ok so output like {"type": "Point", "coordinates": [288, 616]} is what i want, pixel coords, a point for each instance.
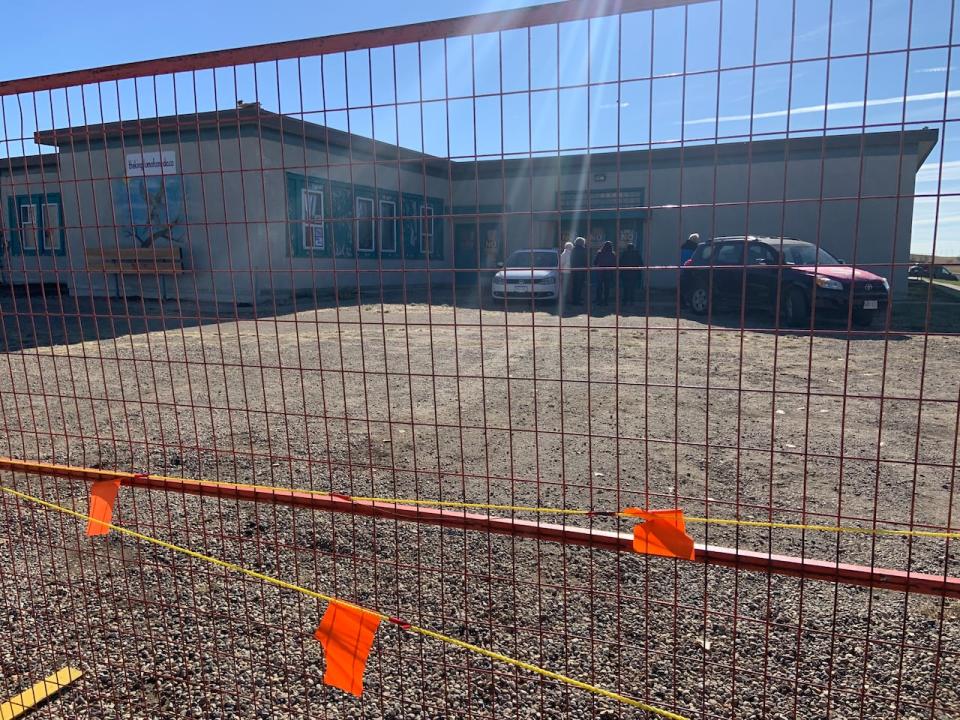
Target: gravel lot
{"type": "Point", "coordinates": [398, 400]}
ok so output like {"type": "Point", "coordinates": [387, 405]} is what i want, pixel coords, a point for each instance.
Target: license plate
{"type": "Point", "coordinates": [869, 304]}
{"type": "Point", "coordinates": [521, 288]}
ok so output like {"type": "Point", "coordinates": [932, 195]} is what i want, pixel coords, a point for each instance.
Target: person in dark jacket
{"type": "Point", "coordinates": [605, 262]}
{"type": "Point", "coordinates": [579, 260]}
{"type": "Point", "coordinates": [689, 247]}
{"type": "Point", "coordinates": [630, 279]}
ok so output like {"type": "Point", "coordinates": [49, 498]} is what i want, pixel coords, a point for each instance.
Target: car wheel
{"type": "Point", "coordinates": [699, 300]}
{"type": "Point", "coordinates": [796, 310]}
{"type": "Point", "coordinates": [863, 318]}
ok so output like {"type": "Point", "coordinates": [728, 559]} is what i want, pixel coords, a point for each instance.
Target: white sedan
{"type": "Point", "coordinates": [529, 274]}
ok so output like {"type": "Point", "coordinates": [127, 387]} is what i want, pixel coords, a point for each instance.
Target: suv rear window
{"type": "Point", "coordinates": [758, 254]}
{"type": "Point", "coordinates": [730, 254]}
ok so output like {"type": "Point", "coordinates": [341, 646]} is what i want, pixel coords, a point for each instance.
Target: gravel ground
{"type": "Point", "coordinates": [416, 399]}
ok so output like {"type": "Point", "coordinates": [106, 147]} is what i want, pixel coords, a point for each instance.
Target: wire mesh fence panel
{"type": "Point", "coordinates": [585, 360]}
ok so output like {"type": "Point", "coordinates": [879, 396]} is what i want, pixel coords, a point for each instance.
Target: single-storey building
{"type": "Point", "coordinates": [252, 205]}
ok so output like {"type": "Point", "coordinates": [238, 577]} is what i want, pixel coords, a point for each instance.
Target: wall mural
{"type": "Point", "coordinates": [150, 209]}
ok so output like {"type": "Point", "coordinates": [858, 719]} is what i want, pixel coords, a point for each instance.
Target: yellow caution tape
{"type": "Point", "coordinates": [949, 535]}
{"type": "Point", "coordinates": [946, 535]}
{"type": "Point", "coordinates": [609, 694]}
{"type": "Point", "coordinates": [14, 465]}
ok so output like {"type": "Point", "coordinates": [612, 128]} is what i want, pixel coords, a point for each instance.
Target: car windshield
{"type": "Point", "coordinates": [528, 259]}
{"type": "Point", "coordinates": [805, 254]}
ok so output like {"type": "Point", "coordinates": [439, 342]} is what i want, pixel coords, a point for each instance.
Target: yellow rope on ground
{"type": "Point", "coordinates": [493, 655]}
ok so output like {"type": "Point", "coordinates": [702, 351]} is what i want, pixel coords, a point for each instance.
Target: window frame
{"type": "Point", "coordinates": [426, 238]}
{"type": "Point", "coordinates": [310, 222]}
{"type": "Point", "coordinates": [32, 224]}
{"type": "Point", "coordinates": [392, 219]}
{"type": "Point", "coordinates": [372, 219]}
{"type": "Point", "coordinates": [50, 237]}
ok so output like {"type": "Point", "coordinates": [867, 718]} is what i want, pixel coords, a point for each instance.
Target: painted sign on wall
{"type": "Point", "coordinates": [151, 163]}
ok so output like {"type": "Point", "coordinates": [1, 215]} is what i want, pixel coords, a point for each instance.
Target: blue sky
{"type": "Point", "coordinates": [422, 97]}
{"type": "Point", "coordinates": [60, 35]}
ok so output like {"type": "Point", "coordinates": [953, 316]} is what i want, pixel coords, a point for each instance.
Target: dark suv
{"type": "Point", "coordinates": [761, 269]}
{"type": "Point", "coordinates": [937, 272]}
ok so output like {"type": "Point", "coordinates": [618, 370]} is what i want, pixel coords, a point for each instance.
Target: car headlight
{"type": "Point", "coordinates": [497, 280]}
{"type": "Point", "coordinates": [886, 284]}
{"type": "Point", "coordinates": [829, 283]}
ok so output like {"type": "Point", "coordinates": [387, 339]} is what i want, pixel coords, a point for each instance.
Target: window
{"type": "Point", "coordinates": [533, 259]}
{"type": "Point", "coordinates": [313, 231]}
{"type": "Point", "coordinates": [730, 254]}
{"type": "Point", "coordinates": [38, 224]}
{"type": "Point", "coordinates": [51, 227]}
{"type": "Point", "coordinates": [426, 229]}
{"type": "Point", "coordinates": [807, 254]}
{"type": "Point", "coordinates": [759, 255]}
{"type": "Point", "coordinates": [388, 226]}
{"type": "Point", "coordinates": [366, 226]}
{"type": "Point", "coordinates": [28, 226]}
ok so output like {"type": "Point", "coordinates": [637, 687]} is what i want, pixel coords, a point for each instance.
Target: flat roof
{"type": "Point", "coordinates": [251, 115]}
{"type": "Point", "coordinates": [244, 116]}
{"type": "Point", "coordinates": [25, 163]}
{"type": "Point", "coordinates": [924, 140]}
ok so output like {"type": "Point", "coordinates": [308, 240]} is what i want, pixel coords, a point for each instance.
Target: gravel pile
{"type": "Point", "coordinates": [425, 408]}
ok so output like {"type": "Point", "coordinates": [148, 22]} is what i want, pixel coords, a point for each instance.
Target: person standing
{"type": "Point", "coordinates": [565, 257]}
{"type": "Point", "coordinates": [688, 248]}
{"type": "Point", "coordinates": [605, 263]}
{"type": "Point", "coordinates": [579, 260]}
{"type": "Point", "coordinates": [630, 278]}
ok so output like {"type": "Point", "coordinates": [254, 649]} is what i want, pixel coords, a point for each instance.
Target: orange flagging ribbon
{"type": "Point", "coordinates": [346, 634]}
{"type": "Point", "coordinates": [662, 532]}
{"type": "Point", "coordinates": [103, 493]}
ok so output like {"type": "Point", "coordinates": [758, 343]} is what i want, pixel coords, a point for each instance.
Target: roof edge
{"type": "Point", "coordinates": [10, 165]}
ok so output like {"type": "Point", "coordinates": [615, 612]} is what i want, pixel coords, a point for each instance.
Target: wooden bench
{"type": "Point", "coordinates": [159, 260]}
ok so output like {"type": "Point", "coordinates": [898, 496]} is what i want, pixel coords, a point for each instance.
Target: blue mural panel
{"type": "Point", "coordinates": [150, 209]}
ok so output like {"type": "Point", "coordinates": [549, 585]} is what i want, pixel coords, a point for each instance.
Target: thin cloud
{"type": "Point", "coordinates": [847, 105]}
{"type": "Point", "coordinates": [932, 172]}
{"type": "Point", "coordinates": [950, 219]}
{"type": "Point", "coordinates": [822, 29]}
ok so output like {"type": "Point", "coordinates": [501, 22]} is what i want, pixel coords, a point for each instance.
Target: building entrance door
{"type": "Point", "coordinates": [477, 250]}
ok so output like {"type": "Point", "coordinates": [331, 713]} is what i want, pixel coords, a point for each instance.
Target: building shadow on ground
{"type": "Point", "coordinates": [49, 316]}
{"type": "Point", "coordinates": [663, 306]}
